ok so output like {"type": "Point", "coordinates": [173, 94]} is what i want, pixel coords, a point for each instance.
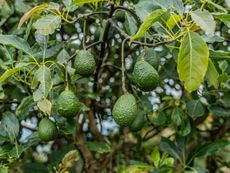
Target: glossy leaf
{"type": "Point", "coordinates": [30, 13]}
{"type": "Point", "coordinates": [210, 148]}
{"type": "Point", "coordinates": [177, 116]}
{"type": "Point", "coordinates": [224, 18]}
{"type": "Point", "coordinates": [205, 20]}
{"type": "Point", "coordinates": [212, 75]}
{"type": "Point", "coordinates": [155, 157]}
{"type": "Point", "coordinates": [195, 108]}
{"type": "Point", "coordinates": [137, 168]}
{"type": "Point", "coordinates": [173, 20]}
{"type": "Point", "coordinates": [98, 147]}
{"type": "Point", "coordinates": [46, 25]}
{"type": "Point", "coordinates": [192, 61]}
{"type": "Point", "coordinates": [8, 73]}
{"type": "Point", "coordinates": [17, 42]}
{"type": "Point", "coordinates": [45, 106]}
{"type": "Point", "coordinates": [81, 2]}
{"type": "Point", "coordinates": [25, 107]}
{"type": "Point", "coordinates": [147, 23]}
{"type": "Point", "coordinates": [176, 5]}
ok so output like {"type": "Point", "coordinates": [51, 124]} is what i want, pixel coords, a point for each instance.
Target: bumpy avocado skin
{"type": "Point", "coordinates": [145, 76]}
{"type": "Point", "coordinates": [84, 63]}
{"type": "Point", "coordinates": [47, 130]}
{"type": "Point", "coordinates": [124, 110]}
{"type": "Point", "coordinates": [138, 122]}
{"type": "Point", "coordinates": [68, 104]}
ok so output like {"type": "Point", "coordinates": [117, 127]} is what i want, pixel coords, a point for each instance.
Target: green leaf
{"type": "Point", "coordinates": [11, 125]}
{"type": "Point", "coordinates": [192, 61]}
{"type": "Point", "coordinates": [46, 25]}
{"type": "Point", "coordinates": [155, 157]}
{"type": "Point", "coordinates": [213, 39]}
{"type": "Point", "coordinates": [176, 5]}
{"type": "Point", "coordinates": [161, 119]}
{"type": "Point", "coordinates": [45, 106]}
{"type": "Point", "coordinates": [63, 56]}
{"type": "Point", "coordinates": [42, 75]}
{"type": "Point", "coordinates": [81, 2]}
{"type": "Point", "coordinates": [210, 148]}
{"type": "Point", "coordinates": [169, 147]}
{"type": "Point", "coordinates": [130, 24]}
{"type": "Point", "coordinates": [185, 128]}
{"type": "Point", "coordinates": [98, 147]}
{"type": "Point", "coordinates": [224, 18]}
{"type": "Point", "coordinates": [219, 55]}
{"type": "Point", "coordinates": [212, 75]}
{"type": "Point", "coordinates": [173, 20]}
{"type": "Point", "coordinates": [19, 43]}
{"type": "Point", "coordinates": [8, 73]}
{"type": "Point", "coordinates": [205, 20]}
{"type": "Point", "coordinates": [25, 107]}
{"type": "Point", "coordinates": [138, 168]}
{"type": "Point", "coordinates": [177, 116]}
{"type": "Point", "coordinates": [147, 23]}
{"type": "Point", "coordinates": [30, 13]}
{"type": "Point", "coordinates": [219, 111]}
{"type": "Point", "coordinates": [195, 108]}
{"type": "Point", "coordinates": [3, 169]}
{"type": "Point", "coordinates": [197, 170]}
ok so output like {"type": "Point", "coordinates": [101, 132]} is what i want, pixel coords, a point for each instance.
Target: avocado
{"type": "Point", "coordinates": [124, 110]}
{"type": "Point", "coordinates": [68, 104]}
{"type": "Point", "coordinates": [145, 76]}
{"type": "Point", "coordinates": [47, 130]}
{"type": "Point", "coordinates": [84, 63]}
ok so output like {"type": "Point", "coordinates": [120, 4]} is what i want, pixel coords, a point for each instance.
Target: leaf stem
{"type": "Point", "coordinates": [123, 66]}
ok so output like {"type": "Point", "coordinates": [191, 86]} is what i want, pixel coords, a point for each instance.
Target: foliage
{"type": "Point", "coordinates": [89, 48]}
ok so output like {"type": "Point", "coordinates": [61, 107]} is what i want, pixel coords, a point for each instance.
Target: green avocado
{"type": "Point", "coordinates": [138, 122]}
{"type": "Point", "coordinates": [145, 76]}
{"type": "Point", "coordinates": [68, 104]}
{"type": "Point", "coordinates": [47, 130]}
{"type": "Point", "coordinates": [124, 110]}
{"type": "Point", "coordinates": [84, 63]}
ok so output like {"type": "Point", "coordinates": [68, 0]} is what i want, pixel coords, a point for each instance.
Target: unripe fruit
{"type": "Point", "coordinates": [84, 63]}
{"type": "Point", "coordinates": [124, 110]}
{"type": "Point", "coordinates": [68, 104]}
{"type": "Point", "coordinates": [47, 130]}
{"type": "Point", "coordinates": [145, 76]}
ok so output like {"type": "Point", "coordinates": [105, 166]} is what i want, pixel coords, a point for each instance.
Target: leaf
{"type": "Point", "coordinates": [63, 56]}
{"type": "Point", "coordinates": [192, 61]}
{"type": "Point", "coordinates": [45, 106]}
{"type": "Point", "coordinates": [219, 55]}
{"type": "Point", "coordinates": [177, 116]}
{"type": "Point", "coordinates": [98, 147]}
{"type": "Point", "coordinates": [173, 20]}
{"type": "Point", "coordinates": [219, 111]}
{"type": "Point", "coordinates": [213, 39]}
{"type": "Point", "coordinates": [3, 169]}
{"type": "Point", "coordinates": [155, 157]}
{"type": "Point", "coordinates": [43, 75]}
{"type": "Point", "coordinates": [11, 125]}
{"type": "Point", "coordinates": [227, 3]}
{"type": "Point", "coordinates": [185, 128]}
{"type": "Point", "coordinates": [8, 73]}
{"type": "Point", "coordinates": [130, 24]}
{"type": "Point", "coordinates": [210, 148]}
{"type": "Point", "coordinates": [197, 170]}
{"type": "Point", "coordinates": [161, 119]}
{"type": "Point", "coordinates": [46, 25]}
{"type": "Point", "coordinates": [81, 2]}
{"type": "Point", "coordinates": [30, 13]}
{"type": "Point", "coordinates": [25, 107]}
{"type": "Point", "coordinates": [169, 147]}
{"type": "Point", "coordinates": [223, 17]}
{"type": "Point", "coordinates": [176, 5]}
{"type": "Point", "coordinates": [205, 20]}
{"type": "Point", "coordinates": [138, 168]}
{"type": "Point", "coordinates": [147, 23]}
{"type": "Point", "coordinates": [69, 159]}
{"type": "Point", "coordinates": [195, 108]}
{"type": "Point", "coordinates": [212, 75]}
{"type": "Point", "coordinates": [16, 42]}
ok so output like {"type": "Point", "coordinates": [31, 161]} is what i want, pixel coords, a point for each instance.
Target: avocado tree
{"type": "Point", "coordinates": [99, 86]}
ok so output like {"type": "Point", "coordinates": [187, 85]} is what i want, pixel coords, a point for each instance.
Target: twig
{"type": "Point", "coordinates": [94, 44]}
{"type": "Point", "coordinates": [123, 67]}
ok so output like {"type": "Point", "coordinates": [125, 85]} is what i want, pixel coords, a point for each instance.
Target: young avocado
{"type": "Point", "coordinates": [124, 110]}
{"type": "Point", "coordinates": [84, 63]}
{"type": "Point", "coordinates": [68, 104]}
{"type": "Point", "coordinates": [47, 130]}
{"type": "Point", "coordinates": [145, 76]}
